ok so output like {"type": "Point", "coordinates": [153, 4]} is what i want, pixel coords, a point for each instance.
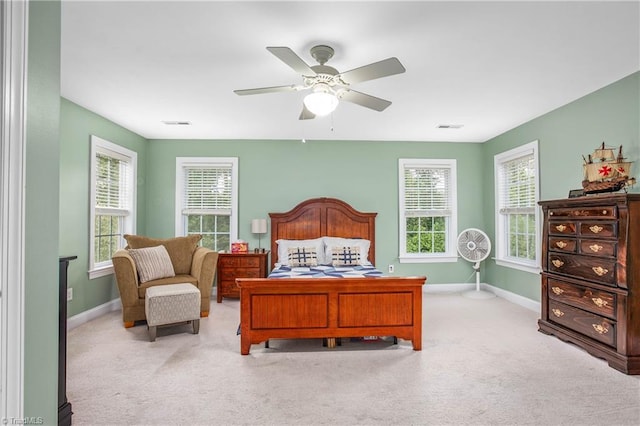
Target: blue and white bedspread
{"type": "Point", "coordinates": [325, 271]}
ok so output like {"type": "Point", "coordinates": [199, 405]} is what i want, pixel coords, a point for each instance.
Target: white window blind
{"type": "Point", "coordinates": [113, 202]}
{"type": "Point", "coordinates": [517, 185]}
{"type": "Point", "coordinates": [113, 179]}
{"type": "Point", "coordinates": [517, 216]}
{"type": "Point", "coordinates": [208, 190]}
{"type": "Point", "coordinates": [428, 210]}
{"type": "Point", "coordinates": [427, 192]}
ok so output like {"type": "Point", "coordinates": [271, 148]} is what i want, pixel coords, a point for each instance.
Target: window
{"type": "Point", "coordinates": [427, 210]}
{"type": "Point", "coordinates": [207, 200]}
{"type": "Point", "coordinates": [113, 178]}
{"type": "Point", "coordinates": [517, 221]}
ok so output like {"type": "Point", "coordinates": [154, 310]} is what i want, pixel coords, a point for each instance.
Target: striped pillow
{"type": "Point", "coordinates": [302, 256]}
{"type": "Point", "coordinates": [152, 263]}
{"type": "Point", "coordinates": [345, 256]}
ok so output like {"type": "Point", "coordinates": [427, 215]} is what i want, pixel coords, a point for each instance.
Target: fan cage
{"type": "Point", "coordinates": [473, 245]}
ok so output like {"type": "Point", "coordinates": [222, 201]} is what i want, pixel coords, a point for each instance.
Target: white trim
{"type": "Point", "coordinates": [102, 271]}
{"type": "Point", "coordinates": [448, 288]}
{"type": "Point", "coordinates": [451, 254]}
{"type": "Point", "coordinates": [527, 303]}
{"type": "Point", "coordinates": [519, 266]}
{"type": "Point", "coordinates": [93, 313]}
{"type": "Point", "coordinates": [500, 236]}
{"type": "Point", "coordinates": [121, 153]}
{"type": "Point", "coordinates": [182, 162]}
{"type": "Point", "coordinates": [15, 24]}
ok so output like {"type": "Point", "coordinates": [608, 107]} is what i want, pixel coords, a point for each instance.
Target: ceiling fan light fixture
{"type": "Point", "coordinates": [321, 101]}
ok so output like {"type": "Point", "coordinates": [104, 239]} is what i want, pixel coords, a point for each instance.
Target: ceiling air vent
{"type": "Point", "coordinates": [177, 123]}
{"type": "Point", "coordinates": [449, 126]}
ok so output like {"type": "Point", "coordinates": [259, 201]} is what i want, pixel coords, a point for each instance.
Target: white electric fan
{"type": "Point", "coordinates": [475, 246]}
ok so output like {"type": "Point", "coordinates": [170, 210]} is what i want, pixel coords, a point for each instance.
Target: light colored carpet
{"type": "Point", "coordinates": [483, 363]}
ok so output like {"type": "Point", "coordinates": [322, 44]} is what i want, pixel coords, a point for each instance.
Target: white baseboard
{"type": "Point", "coordinates": [513, 298]}
{"type": "Point", "coordinates": [504, 294]}
{"type": "Point", "coordinates": [86, 316]}
{"type": "Point", "coordinates": [447, 288]}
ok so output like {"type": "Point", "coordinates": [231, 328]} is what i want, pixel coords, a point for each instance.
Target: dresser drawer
{"type": "Point", "coordinates": [598, 229]}
{"type": "Point", "coordinates": [232, 274]}
{"type": "Point", "coordinates": [598, 248]}
{"type": "Point", "coordinates": [599, 270]}
{"type": "Point", "coordinates": [562, 244]}
{"type": "Point", "coordinates": [599, 212]}
{"type": "Point", "coordinates": [240, 261]}
{"type": "Point", "coordinates": [239, 265]}
{"type": "Point", "coordinates": [594, 326]}
{"type": "Point", "coordinates": [229, 288]}
{"type": "Point", "coordinates": [595, 301]}
{"type": "Point", "coordinates": [562, 228]}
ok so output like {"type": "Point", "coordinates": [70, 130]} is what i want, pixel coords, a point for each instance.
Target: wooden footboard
{"type": "Point", "coordinates": [292, 308]}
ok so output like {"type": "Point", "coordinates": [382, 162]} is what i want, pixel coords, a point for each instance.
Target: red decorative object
{"type": "Point", "coordinates": [240, 247]}
{"type": "Point", "coordinates": [605, 170]}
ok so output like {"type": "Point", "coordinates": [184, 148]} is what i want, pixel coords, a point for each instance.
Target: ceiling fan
{"type": "Point", "coordinates": [327, 84]}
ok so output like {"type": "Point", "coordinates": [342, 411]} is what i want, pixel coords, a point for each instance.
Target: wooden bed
{"type": "Point", "coordinates": [328, 307]}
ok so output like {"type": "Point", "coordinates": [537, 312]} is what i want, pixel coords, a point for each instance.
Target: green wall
{"type": "Point", "coordinates": [274, 176]}
{"type": "Point", "coordinates": [611, 114]}
{"type": "Point", "coordinates": [41, 213]}
{"type": "Point", "coordinates": [77, 124]}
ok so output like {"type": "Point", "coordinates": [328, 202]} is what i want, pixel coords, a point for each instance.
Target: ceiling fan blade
{"type": "Point", "coordinates": [387, 67]}
{"type": "Point", "coordinates": [290, 58]}
{"type": "Point", "coordinates": [365, 100]}
{"type": "Point", "coordinates": [273, 89]}
{"type": "Point", "coordinates": [306, 114]}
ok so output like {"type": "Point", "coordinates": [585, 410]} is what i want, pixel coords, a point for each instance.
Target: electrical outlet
{"type": "Point", "coordinates": [391, 269]}
{"type": "Point", "coordinates": [69, 294]}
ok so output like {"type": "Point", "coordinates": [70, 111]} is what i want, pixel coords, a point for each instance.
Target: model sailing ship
{"type": "Point", "coordinates": [606, 172]}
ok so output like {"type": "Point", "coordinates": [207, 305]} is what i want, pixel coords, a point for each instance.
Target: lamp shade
{"type": "Point", "coordinates": [259, 226]}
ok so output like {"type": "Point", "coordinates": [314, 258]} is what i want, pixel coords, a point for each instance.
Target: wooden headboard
{"type": "Point", "coordinates": [319, 217]}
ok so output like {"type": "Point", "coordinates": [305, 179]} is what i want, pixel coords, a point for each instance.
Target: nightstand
{"type": "Point", "coordinates": [239, 265]}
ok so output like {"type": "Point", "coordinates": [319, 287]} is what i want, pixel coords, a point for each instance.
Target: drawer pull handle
{"type": "Point", "coordinates": [595, 248]}
{"type": "Point", "coordinates": [599, 302]}
{"type": "Point", "coordinates": [596, 229]}
{"type": "Point", "coordinates": [557, 290]}
{"type": "Point", "coordinates": [604, 212]}
{"type": "Point", "coordinates": [557, 312]}
{"type": "Point", "coordinates": [561, 228]}
{"type": "Point", "coordinates": [599, 328]}
{"type": "Point", "coordinates": [599, 270]}
{"type": "Point", "coordinates": [561, 244]}
{"type": "Point", "coordinates": [558, 263]}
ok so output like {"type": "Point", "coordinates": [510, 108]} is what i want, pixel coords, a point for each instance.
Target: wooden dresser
{"type": "Point", "coordinates": [239, 265]}
{"type": "Point", "coordinates": [591, 276]}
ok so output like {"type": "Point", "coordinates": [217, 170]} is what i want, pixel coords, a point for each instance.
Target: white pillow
{"type": "Point", "coordinates": [285, 245]}
{"type": "Point", "coordinates": [152, 263]}
{"type": "Point", "coordinates": [331, 242]}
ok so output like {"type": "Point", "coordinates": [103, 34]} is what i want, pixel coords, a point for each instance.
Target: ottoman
{"type": "Point", "coordinates": [170, 304]}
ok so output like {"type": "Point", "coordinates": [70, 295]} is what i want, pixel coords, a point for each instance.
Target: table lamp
{"type": "Point", "coordinates": [259, 226]}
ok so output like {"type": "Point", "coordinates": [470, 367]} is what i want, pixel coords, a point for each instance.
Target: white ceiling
{"type": "Point", "coordinates": [489, 66]}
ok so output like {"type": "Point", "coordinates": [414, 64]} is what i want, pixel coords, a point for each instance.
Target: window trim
{"type": "Point", "coordinates": [99, 145]}
{"type": "Point", "coordinates": [501, 238]}
{"type": "Point", "coordinates": [181, 163]}
{"type": "Point", "coordinates": [451, 254]}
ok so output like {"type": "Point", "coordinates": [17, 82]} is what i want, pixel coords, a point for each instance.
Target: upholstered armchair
{"type": "Point", "coordinates": [186, 263]}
